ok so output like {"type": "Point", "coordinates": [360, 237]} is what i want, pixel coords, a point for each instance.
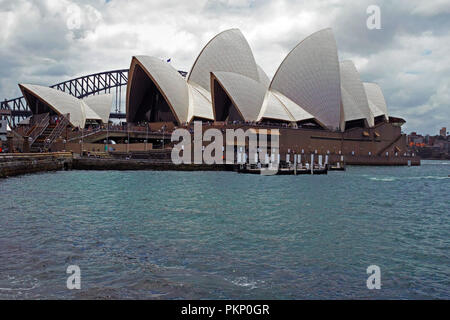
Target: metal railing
{"type": "Point", "coordinates": [389, 145]}
{"type": "Point", "coordinates": [39, 123]}
{"type": "Point", "coordinates": [114, 81]}
{"type": "Point", "coordinates": [57, 131]}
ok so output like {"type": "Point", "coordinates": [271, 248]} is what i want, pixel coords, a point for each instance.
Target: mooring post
{"type": "Point", "coordinates": [295, 164]}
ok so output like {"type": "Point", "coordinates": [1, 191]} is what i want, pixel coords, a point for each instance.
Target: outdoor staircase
{"type": "Point", "coordinates": [52, 131]}
{"type": "Point", "coordinates": [382, 151]}
{"type": "Point", "coordinates": [39, 124]}
{"type": "Point", "coordinates": [39, 143]}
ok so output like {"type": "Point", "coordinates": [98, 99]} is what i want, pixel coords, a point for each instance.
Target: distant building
{"type": "Point", "coordinates": [415, 138]}
{"type": "Point", "coordinates": [430, 147]}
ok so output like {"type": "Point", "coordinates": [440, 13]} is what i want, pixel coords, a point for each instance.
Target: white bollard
{"type": "Point", "coordinates": [295, 164]}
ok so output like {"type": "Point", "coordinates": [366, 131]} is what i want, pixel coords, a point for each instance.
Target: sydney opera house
{"type": "Point", "coordinates": [318, 102]}
{"type": "Point", "coordinates": [80, 112]}
{"type": "Point", "coordinates": [225, 83]}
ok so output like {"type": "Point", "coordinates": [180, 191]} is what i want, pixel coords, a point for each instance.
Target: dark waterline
{"type": "Point", "coordinates": [200, 235]}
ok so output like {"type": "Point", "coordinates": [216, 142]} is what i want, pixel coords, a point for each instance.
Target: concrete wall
{"type": "Point", "coordinates": [365, 143]}
{"type": "Point", "coordinates": [358, 140]}
{"type": "Point", "coordinates": [17, 164]}
{"type": "Point", "coordinates": [100, 147]}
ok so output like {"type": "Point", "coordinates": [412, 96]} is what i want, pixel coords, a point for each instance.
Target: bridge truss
{"type": "Point", "coordinates": [99, 83]}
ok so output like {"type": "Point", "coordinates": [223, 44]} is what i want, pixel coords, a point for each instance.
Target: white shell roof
{"type": "Point", "coordinates": [200, 104]}
{"type": "Point", "coordinates": [170, 83]}
{"type": "Point", "coordinates": [279, 107]}
{"type": "Point", "coordinates": [246, 93]}
{"type": "Point", "coordinates": [228, 51]}
{"type": "Point", "coordinates": [295, 111]}
{"type": "Point", "coordinates": [377, 103]}
{"type": "Point", "coordinates": [351, 82]}
{"type": "Point", "coordinates": [272, 108]}
{"type": "Point", "coordinates": [61, 102]}
{"type": "Point", "coordinates": [351, 109]}
{"type": "Point", "coordinates": [90, 114]}
{"type": "Point", "coordinates": [309, 76]}
{"type": "Point", "coordinates": [263, 78]}
{"type": "Point", "coordinates": [375, 110]}
{"type": "Point", "coordinates": [101, 105]}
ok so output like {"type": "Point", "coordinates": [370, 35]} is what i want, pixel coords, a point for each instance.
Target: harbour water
{"type": "Point", "coordinates": [222, 235]}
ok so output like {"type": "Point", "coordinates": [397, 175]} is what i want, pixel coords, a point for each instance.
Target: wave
{"type": "Point", "coordinates": [428, 177]}
{"type": "Point", "coordinates": [434, 163]}
{"type": "Point", "coordinates": [390, 179]}
{"type": "Point", "coordinates": [246, 283]}
{"type": "Point", "coordinates": [14, 280]}
{"type": "Point", "coordinates": [382, 179]}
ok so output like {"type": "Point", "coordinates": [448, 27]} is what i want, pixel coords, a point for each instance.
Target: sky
{"type": "Point", "coordinates": [48, 41]}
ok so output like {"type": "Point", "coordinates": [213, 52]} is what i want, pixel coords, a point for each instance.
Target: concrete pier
{"type": "Point", "coordinates": [18, 164]}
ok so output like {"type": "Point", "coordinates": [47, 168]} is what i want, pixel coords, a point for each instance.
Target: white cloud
{"type": "Point", "coordinates": [431, 8]}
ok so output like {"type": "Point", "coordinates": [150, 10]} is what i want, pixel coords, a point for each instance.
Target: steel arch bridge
{"type": "Point", "coordinates": [104, 82]}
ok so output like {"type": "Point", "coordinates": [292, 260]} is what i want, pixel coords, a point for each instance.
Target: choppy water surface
{"type": "Point", "coordinates": [170, 235]}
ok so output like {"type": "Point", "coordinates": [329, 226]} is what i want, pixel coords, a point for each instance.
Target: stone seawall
{"type": "Point", "coordinates": [17, 164]}
{"type": "Point", "coordinates": [134, 164]}
{"type": "Point", "coordinates": [381, 160]}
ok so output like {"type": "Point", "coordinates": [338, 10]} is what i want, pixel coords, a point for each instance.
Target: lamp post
{"type": "Point", "coordinates": [107, 137]}
{"type": "Point", "coordinates": [146, 136]}
{"type": "Point", "coordinates": [128, 140]}
{"type": "Point", "coordinates": [30, 140]}
{"type": "Point", "coordinates": [82, 147]}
